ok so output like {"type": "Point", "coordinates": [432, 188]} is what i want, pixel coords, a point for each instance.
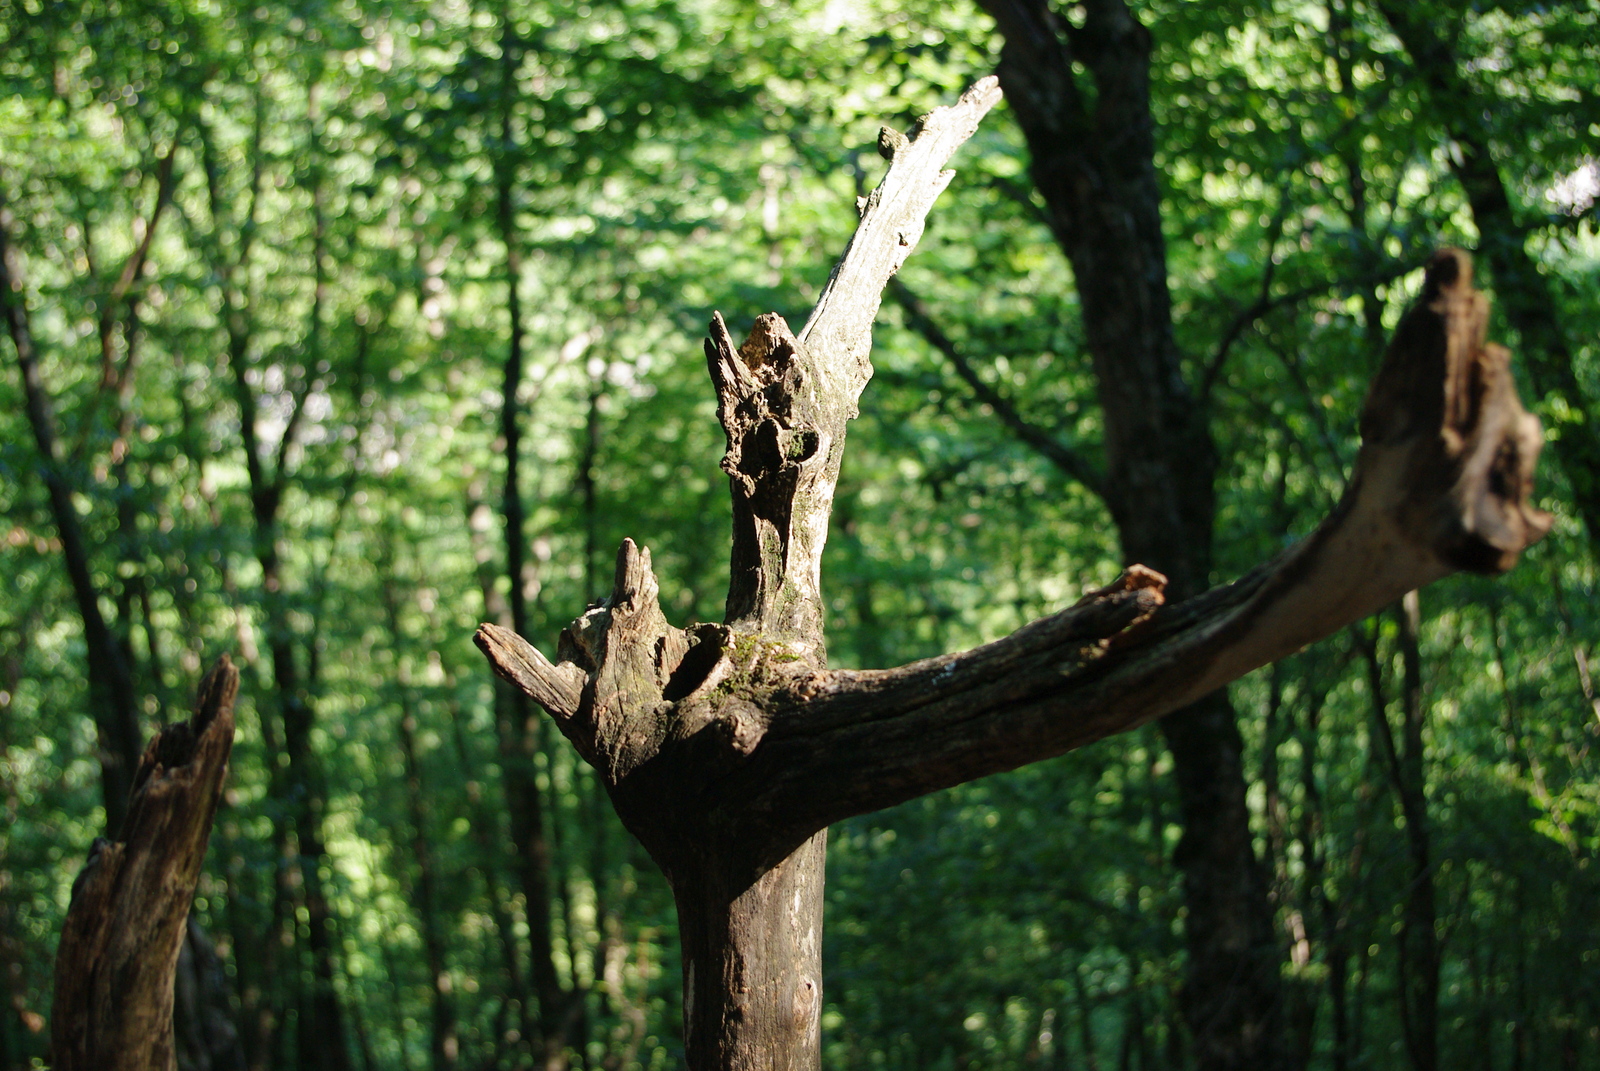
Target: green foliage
{"type": "Point", "coordinates": [333, 260]}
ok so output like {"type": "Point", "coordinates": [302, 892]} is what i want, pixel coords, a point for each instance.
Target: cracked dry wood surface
{"type": "Point", "coordinates": [1441, 484]}
{"type": "Point", "coordinates": [785, 400]}
{"type": "Point", "coordinates": [784, 403]}
{"type": "Point", "coordinates": [115, 965]}
{"type": "Point", "coordinates": [892, 219]}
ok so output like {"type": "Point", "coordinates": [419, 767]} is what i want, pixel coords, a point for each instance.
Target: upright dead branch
{"type": "Point", "coordinates": [125, 926]}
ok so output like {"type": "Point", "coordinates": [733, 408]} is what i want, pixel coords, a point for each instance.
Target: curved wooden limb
{"type": "Point", "coordinates": [557, 688]}
{"type": "Point", "coordinates": [738, 736]}
{"type": "Point", "coordinates": [892, 218]}
{"type": "Point", "coordinates": [119, 945]}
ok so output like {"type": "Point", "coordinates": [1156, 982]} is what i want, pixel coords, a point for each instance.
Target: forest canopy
{"type": "Point", "coordinates": [337, 329]}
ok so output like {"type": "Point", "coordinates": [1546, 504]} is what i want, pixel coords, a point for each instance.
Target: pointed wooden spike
{"type": "Point", "coordinates": [633, 576]}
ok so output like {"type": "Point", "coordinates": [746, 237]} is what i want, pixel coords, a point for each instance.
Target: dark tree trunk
{"type": "Point", "coordinates": [1232, 996]}
{"type": "Point", "coordinates": [202, 1012]}
{"type": "Point", "coordinates": [1419, 941]}
{"type": "Point", "coordinates": [1327, 915]}
{"type": "Point", "coordinates": [116, 963]}
{"type": "Point", "coordinates": [1094, 165]}
{"type": "Point", "coordinates": [486, 828]}
{"type": "Point", "coordinates": [1402, 762]}
{"type": "Point", "coordinates": [443, 1044]}
{"type": "Point", "coordinates": [514, 714]}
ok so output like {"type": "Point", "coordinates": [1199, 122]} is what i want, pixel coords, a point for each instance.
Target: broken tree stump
{"type": "Point", "coordinates": [119, 945]}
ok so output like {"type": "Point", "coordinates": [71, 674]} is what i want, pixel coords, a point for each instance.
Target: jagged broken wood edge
{"type": "Point", "coordinates": [785, 402]}
{"type": "Point", "coordinates": [115, 964]}
{"type": "Point", "coordinates": [1441, 484]}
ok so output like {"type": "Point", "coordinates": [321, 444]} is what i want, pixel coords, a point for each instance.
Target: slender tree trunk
{"type": "Point", "coordinates": [119, 315]}
{"type": "Point", "coordinates": [1326, 914]}
{"type": "Point", "coordinates": [1300, 998]}
{"type": "Point", "coordinates": [444, 1044]}
{"type": "Point", "coordinates": [320, 1041]}
{"type": "Point", "coordinates": [113, 702]}
{"type": "Point", "coordinates": [518, 731]}
{"type": "Point", "coordinates": [485, 824]}
{"type": "Point", "coordinates": [1419, 942]}
{"type": "Point", "coordinates": [1341, 16]}
{"type": "Point", "coordinates": [266, 984]}
{"type": "Point", "coordinates": [1520, 1011]}
{"type": "Point", "coordinates": [1402, 760]}
{"type": "Point", "coordinates": [1085, 1017]}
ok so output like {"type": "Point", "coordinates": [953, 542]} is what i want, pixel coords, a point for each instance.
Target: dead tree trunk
{"type": "Point", "coordinates": [119, 945]}
{"type": "Point", "coordinates": [728, 749]}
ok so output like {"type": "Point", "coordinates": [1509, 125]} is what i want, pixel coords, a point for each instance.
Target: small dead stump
{"type": "Point", "coordinates": [119, 946]}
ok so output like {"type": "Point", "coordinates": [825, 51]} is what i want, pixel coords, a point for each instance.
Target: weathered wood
{"type": "Point", "coordinates": [125, 926]}
{"type": "Point", "coordinates": [728, 749]}
{"type": "Point", "coordinates": [784, 401]}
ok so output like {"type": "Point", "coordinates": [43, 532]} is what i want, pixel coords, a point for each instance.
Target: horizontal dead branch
{"type": "Point", "coordinates": [1441, 484]}
{"type": "Point", "coordinates": [556, 688]}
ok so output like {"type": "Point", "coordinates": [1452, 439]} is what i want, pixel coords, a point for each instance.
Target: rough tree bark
{"type": "Point", "coordinates": [119, 947]}
{"type": "Point", "coordinates": [728, 749]}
